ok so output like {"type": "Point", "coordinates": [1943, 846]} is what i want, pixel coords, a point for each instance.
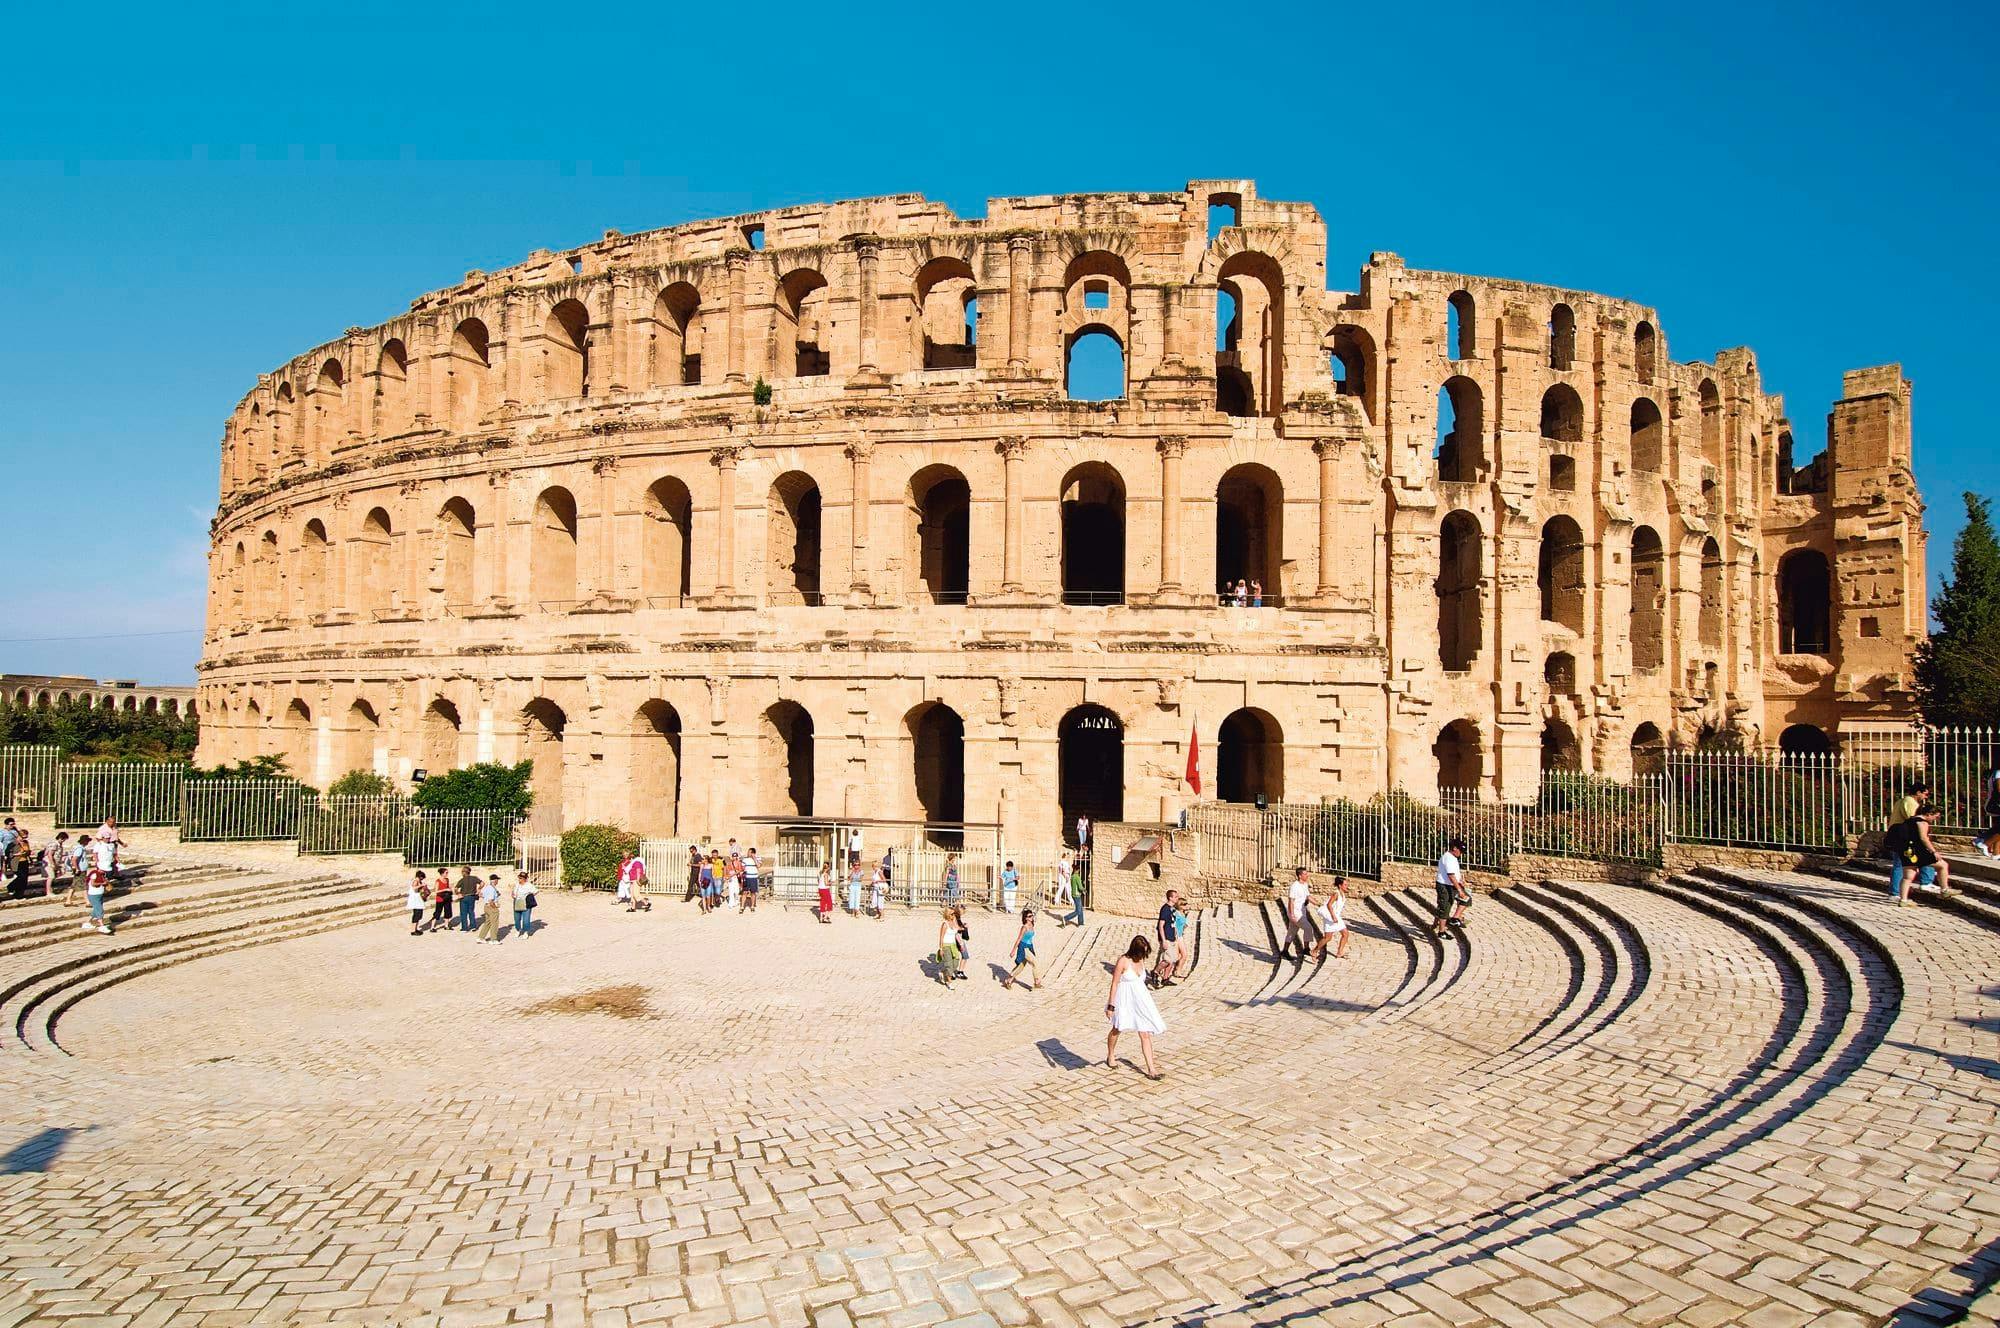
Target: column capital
{"type": "Point", "coordinates": [868, 247]}
{"type": "Point", "coordinates": [1172, 447]}
{"type": "Point", "coordinates": [1328, 449]}
{"type": "Point", "coordinates": [1020, 242]}
{"type": "Point", "coordinates": [1012, 449]}
{"type": "Point", "coordinates": [726, 456]}
{"type": "Point", "coordinates": [736, 260]}
{"type": "Point", "coordinates": [859, 449]}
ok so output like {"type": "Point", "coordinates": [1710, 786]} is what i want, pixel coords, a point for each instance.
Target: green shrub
{"type": "Point", "coordinates": [257, 767]}
{"type": "Point", "coordinates": [479, 787]}
{"type": "Point", "coordinates": [760, 392]}
{"type": "Point", "coordinates": [360, 784]}
{"type": "Point", "coordinates": [591, 853]}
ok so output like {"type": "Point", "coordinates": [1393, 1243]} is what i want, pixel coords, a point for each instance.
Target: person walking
{"type": "Point", "coordinates": [1330, 916]}
{"type": "Point", "coordinates": [826, 892]}
{"type": "Point", "coordinates": [103, 858]}
{"type": "Point", "coordinates": [468, 896]}
{"type": "Point", "coordinates": [1167, 934]}
{"type": "Point", "coordinates": [1927, 868]}
{"type": "Point", "coordinates": [56, 862]}
{"type": "Point", "coordinates": [1296, 895]}
{"type": "Point", "coordinates": [1900, 825]}
{"type": "Point", "coordinates": [732, 879]}
{"type": "Point", "coordinates": [1989, 842]}
{"type": "Point", "coordinates": [1059, 898]}
{"type": "Point", "coordinates": [1076, 893]}
{"type": "Point", "coordinates": [417, 900]}
{"type": "Point", "coordinates": [753, 880]}
{"type": "Point", "coordinates": [489, 904]}
{"type": "Point", "coordinates": [25, 860]}
{"type": "Point", "coordinates": [1024, 953]}
{"type": "Point", "coordinates": [693, 874]}
{"type": "Point", "coordinates": [947, 947]}
{"type": "Point", "coordinates": [524, 904]}
{"type": "Point", "coordinates": [107, 833]}
{"type": "Point", "coordinates": [80, 860]}
{"type": "Point", "coordinates": [1130, 1006]}
{"type": "Point", "coordinates": [953, 895]}
{"type": "Point", "coordinates": [1452, 896]}
{"type": "Point", "coordinates": [441, 902]}
{"type": "Point", "coordinates": [631, 881]}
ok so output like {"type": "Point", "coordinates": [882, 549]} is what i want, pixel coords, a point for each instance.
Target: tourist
{"type": "Point", "coordinates": [1256, 594]}
{"type": "Point", "coordinates": [953, 895]}
{"type": "Point", "coordinates": [1989, 842]}
{"type": "Point", "coordinates": [826, 892]}
{"type": "Point", "coordinates": [94, 883]}
{"type": "Point", "coordinates": [441, 902]}
{"type": "Point", "coordinates": [1902, 812]}
{"type": "Point", "coordinates": [632, 881]}
{"type": "Point", "coordinates": [753, 879]}
{"type": "Point", "coordinates": [693, 874]}
{"type": "Point", "coordinates": [854, 889]}
{"type": "Point", "coordinates": [1059, 888]}
{"type": "Point", "coordinates": [1242, 594]}
{"type": "Point", "coordinates": [1010, 886]}
{"type": "Point", "coordinates": [947, 946]}
{"type": "Point", "coordinates": [1296, 895]}
{"type": "Point", "coordinates": [1076, 893]}
{"type": "Point", "coordinates": [964, 938]}
{"type": "Point", "coordinates": [107, 833]}
{"type": "Point", "coordinates": [1923, 865]}
{"type": "Point", "coordinates": [878, 890]}
{"type": "Point", "coordinates": [732, 879]}
{"type": "Point", "coordinates": [25, 859]}
{"type": "Point", "coordinates": [1166, 930]}
{"type": "Point", "coordinates": [703, 881]}
{"type": "Point", "coordinates": [56, 862]}
{"type": "Point", "coordinates": [1185, 954]}
{"type": "Point", "coordinates": [489, 905]}
{"type": "Point", "coordinates": [1330, 916]}
{"type": "Point", "coordinates": [1452, 896]}
{"type": "Point", "coordinates": [10, 838]}
{"type": "Point", "coordinates": [854, 846]}
{"type": "Point", "coordinates": [524, 904]}
{"type": "Point", "coordinates": [888, 874]}
{"type": "Point", "coordinates": [1082, 835]}
{"type": "Point", "coordinates": [417, 900]}
{"type": "Point", "coordinates": [468, 896]}
{"type": "Point", "coordinates": [1024, 953]}
{"type": "Point", "coordinates": [1130, 1007]}
{"type": "Point", "coordinates": [80, 860]}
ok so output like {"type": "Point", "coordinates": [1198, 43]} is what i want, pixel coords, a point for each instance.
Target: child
{"type": "Point", "coordinates": [878, 888]}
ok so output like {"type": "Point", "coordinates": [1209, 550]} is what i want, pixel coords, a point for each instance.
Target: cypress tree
{"type": "Point", "coordinates": [1958, 667]}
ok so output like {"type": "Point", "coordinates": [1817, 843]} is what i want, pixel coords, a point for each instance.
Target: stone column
{"type": "Point", "coordinates": [859, 453]}
{"type": "Point", "coordinates": [1011, 452]}
{"type": "Point", "coordinates": [724, 460]}
{"type": "Point", "coordinates": [494, 542]}
{"type": "Point", "coordinates": [419, 388]}
{"type": "Point", "coordinates": [867, 249]}
{"type": "Point", "coordinates": [738, 261]}
{"type": "Point", "coordinates": [618, 331]}
{"type": "Point", "coordinates": [605, 581]}
{"type": "Point", "coordinates": [514, 369]}
{"type": "Point", "coordinates": [1171, 450]}
{"type": "Point", "coordinates": [1019, 250]}
{"type": "Point", "coordinates": [1328, 451]}
{"type": "Point", "coordinates": [358, 417]}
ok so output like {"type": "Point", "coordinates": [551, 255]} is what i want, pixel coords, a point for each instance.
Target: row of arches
{"type": "Point", "coordinates": [47, 698]}
{"type": "Point", "coordinates": [1462, 457]}
{"type": "Point", "coordinates": [1462, 336]}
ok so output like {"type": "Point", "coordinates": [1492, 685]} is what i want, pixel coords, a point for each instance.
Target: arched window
{"type": "Point", "coordinates": [1562, 337]}
{"type": "Point", "coordinates": [940, 539]}
{"type": "Point", "coordinates": [656, 769]}
{"type": "Point", "coordinates": [1711, 424]}
{"type": "Point", "coordinates": [239, 579]}
{"type": "Point", "coordinates": [1711, 593]}
{"type": "Point", "coordinates": [1559, 673]}
{"type": "Point", "coordinates": [441, 726]}
{"type": "Point", "coordinates": [312, 569]}
{"type": "Point", "coordinates": [392, 388]}
{"type": "Point", "coordinates": [1649, 750]}
{"type": "Point", "coordinates": [785, 761]}
{"type": "Point", "coordinates": [270, 578]}
{"type": "Point", "coordinates": [1352, 360]}
{"type": "Point", "coordinates": [282, 423]}
{"type": "Point", "coordinates": [458, 529]}
{"type": "Point", "coordinates": [1560, 749]}
{"type": "Point", "coordinates": [543, 725]}
{"type": "Point", "coordinates": [668, 571]}
{"type": "Point", "coordinates": [1644, 351]}
{"type": "Point", "coordinates": [364, 727]}
{"type": "Point", "coordinates": [1560, 574]}
{"type": "Point", "coordinates": [1461, 333]}
{"type": "Point", "coordinates": [1460, 759]}
{"type": "Point", "coordinates": [1804, 742]}
{"type": "Point", "coordinates": [1648, 437]}
{"type": "Point", "coordinates": [1461, 433]}
{"type": "Point", "coordinates": [1562, 414]}
{"type": "Point", "coordinates": [1090, 760]}
{"type": "Point", "coordinates": [1250, 758]}
{"type": "Point", "coordinates": [1094, 365]}
{"type": "Point", "coordinates": [1093, 535]}
{"type": "Point", "coordinates": [328, 408]}
{"type": "Point", "coordinates": [566, 351]}
{"type": "Point", "coordinates": [1250, 530]}
{"type": "Point", "coordinates": [675, 352]}
{"type": "Point", "coordinates": [947, 328]}
{"type": "Point", "coordinates": [469, 365]}
{"type": "Point", "coordinates": [300, 742]}
{"type": "Point", "coordinates": [937, 746]}
{"type": "Point", "coordinates": [1458, 591]}
{"type": "Point", "coordinates": [1649, 600]}
{"type": "Point", "coordinates": [1256, 336]}
{"type": "Point", "coordinates": [1805, 604]}
{"type": "Point", "coordinates": [1234, 394]}
{"type": "Point", "coordinates": [801, 341]}
{"type": "Point", "coordinates": [792, 526]}
{"type": "Point", "coordinates": [552, 552]}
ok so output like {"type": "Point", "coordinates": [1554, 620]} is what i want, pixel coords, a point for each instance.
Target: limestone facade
{"type": "Point", "coordinates": [796, 512]}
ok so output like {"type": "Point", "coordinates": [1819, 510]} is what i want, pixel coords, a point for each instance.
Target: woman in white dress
{"type": "Point", "coordinates": [1330, 916]}
{"type": "Point", "coordinates": [1131, 1008]}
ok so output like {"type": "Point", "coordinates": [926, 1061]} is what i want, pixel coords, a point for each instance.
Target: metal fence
{"type": "Point", "coordinates": [28, 777]}
{"type": "Point", "coordinates": [215, 810]}
{"type": "Point", "coordinates": [1760, 799]}
{"type": "Point", "coordinates": [134, 793]}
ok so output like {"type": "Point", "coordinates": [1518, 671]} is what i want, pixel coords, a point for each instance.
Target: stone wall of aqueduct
{"type": "Point", "coordinates": [549, 514]}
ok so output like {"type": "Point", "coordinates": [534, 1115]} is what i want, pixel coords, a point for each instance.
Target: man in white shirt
{"type": "Point", "coordinates": [108, 834]}
{"type": "Point", "coordinates": [1296, 895]}
{"type": "Point", "coordinates": [1452, 896]}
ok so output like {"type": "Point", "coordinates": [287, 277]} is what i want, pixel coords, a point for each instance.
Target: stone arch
{"type": "Point", "coordinates": [328, 406]}
{"type": "Point", "coordinates": [1561, 752]}
{"type": "Point", "coordinates": [1562, 337]}
{"type": "Point", "coordinates": [792, 525]}
{"type": "Point", "coordinates": [543, 725]}
{"type": "Point", "coordinates": [1093, 535]}
{"type": "Point", "coordinates": [1460, 756]}
{"type": "Point", "coordinates": [1351, 360]}
{"type": "Point", "coordinates": [674, 355]}
{"type": "Point", "coordinates": [667, 553]}
{"type": "Point", "coordinates": [1649, 600]}
{"type": "Point", "coordinates": [1461, 326]}
{"type": "Point", "coordinates": [656, 769]}
{"type": "Point", "coordinates": [1094, 367]}
{"type": "Point", "coordinates": [442, 729]}
{"type": "Point", "coordinates": [458, 532]}
{"type": "Point", "coordinates": [270, 577]}
{"type": "Point", "coordinates": [1805, 603]}
{"type": "Point", "coordinates": [1648, 436]}
{"type": "Point", "coordinates": [947, 323]}
{"type": "Point", "coordinates": [301, 741]}
{"type": "Point", "coordinates": [283, 421]}
{"type": "Point", "coordinates": [937, 750]}
{"type": "Point", "coordinates": [468, 366]}
{"type": "Point", "coordinates": [1804, 740]}
{"type": "Point", "coordinates": [314, 559]}
{"type": "Point", "coordinates": [552, 579]}
{"type": "Point", "coordinates": [785, 769]}
{"type": "Point", "coordinates": [1250, 757]}
{"type": "Point", "coordinates": [239, 578]}
{"type": "Point", "coordinates": [360, 734]}
{"type": "Point", "coordinates": [801, 335]}
{"type": "Point", "coordinates": [1090, 757]}
{"type": "Point", "coordinates": [1460, 586]}
{"type": "Point", "coordinates": [1645, 351]}
{"type": "Point", "coordinates": [1256, 348]}
{"type": "Point", "coordinates": [1559, 574]}
{"type": "Point", "coordinates": [1559, 673]}
{"type": "Point", "coordinates": [392, 388]}
{"type": "Point", "coordinates": [566, 351]}
{"type": "Point", "coordinates": [1250, 528]}
{"type": "Point", "coordinates": [1649, 750]}
{"type": "Point", "coordinates": [939, 552]}
{"type": "Point", "coordinates": [1562, 414]}
{"type": "Point", "coordinates": [1461, 432]}
{"type": "Point", "coordinates": [1711, 593]}
{"type": "Point", "coordinates": [1710, 398]}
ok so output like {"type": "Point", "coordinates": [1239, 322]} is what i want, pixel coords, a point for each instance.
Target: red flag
{"type": "Point", "coordinates": [1194, 758]}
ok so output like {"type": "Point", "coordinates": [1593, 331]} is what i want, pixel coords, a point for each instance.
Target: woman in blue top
{"type": "Point", "coordinates": [1024, 953]}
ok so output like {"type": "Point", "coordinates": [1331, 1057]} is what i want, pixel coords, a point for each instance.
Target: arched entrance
{"type": "Point", "coordinates": [1560, 750]}
{"type": "Point", "coordinates": [1250, 758]}
{"type": "Point", "coordinates": [1460, 764]}
{"type": "Point", "coordinates": [792, 516]}
{"type": "Point", "coordinates": [1093, 535]}
{"type": "Point", "coordinates": [441, 730]}
{"type": "Point", "coordinates": [542, 725]}
{"type": "Point", "coordinates": [1804, 741]}
{"type": "Point", "coordinates": [1805, 604]}
{"type": "Point", "coordinates": [940, 504]}
{"type": "Point", "coordinates": [1091, 767]}
{"type": "Point", "coordinates": [656, 769]}
{"type": "Point", "coordinates": [937, 743]}
{"type": "Point", "coordinates": [785, 761]}
{"type": "Point", "coordinates": [1249, 528]}
{"type": "Point", "coordinates": [1649, 750]}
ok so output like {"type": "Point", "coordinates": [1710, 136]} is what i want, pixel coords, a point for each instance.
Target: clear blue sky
{"type": "Point", "coordinates": [186, 202]}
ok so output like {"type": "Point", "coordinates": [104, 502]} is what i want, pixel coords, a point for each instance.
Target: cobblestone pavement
{"type": "Point", "coordinates": [1734, 1098]}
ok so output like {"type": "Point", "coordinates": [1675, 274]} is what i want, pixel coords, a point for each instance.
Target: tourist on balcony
{"type": "Point", "coordinates": [1130, 1007]}
{"type": "Point", "coordinates": [1256, 594]}
{"type": "Point", "coordinates": [524, 904]}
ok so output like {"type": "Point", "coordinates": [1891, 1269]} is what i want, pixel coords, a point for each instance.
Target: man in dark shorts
{"type": "Point", "coordinates": [1169, 931]}
{"type": "Point", "coordinates": [1451, 893]}
{"type": "Point", "coordinates": [753, 879]}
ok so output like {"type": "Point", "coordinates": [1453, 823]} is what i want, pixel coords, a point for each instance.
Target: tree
{"type": "Point", "coordinates": [360, 784]}
{"type": "Point", "coordinates": [1958, 667]}
{"type": "Point", "coordinates": [487, 786]}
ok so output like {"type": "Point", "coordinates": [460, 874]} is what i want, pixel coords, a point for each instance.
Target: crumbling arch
{"type": "Point", "coordinates": [566, 351]}
{"type": "Point", "coordinates": [792, 525]}
{"type": "Point", "coordinates": [1250, 528]}
{"type": "Point", "coordinates": [392, 388]}
{"type": "Point", "coordinates": [1351, 360]}
{"type": "Point", "coordinates": [1711, 594]}
{"type": "Point", "coordinates": [1090, 742]}
{"type": "Point", "coordinates": [1649, 750]}
{"type": "Point", "coordinates": [801, 337]}
{"type": "Point", "coordinates": [1460, 757]}
{"type": "Point", "coordinates": [1093, 535]}
{"type": "Point", "coordinates": [1461, 432]}
{"type": "Point", "coordinates": [1459, 588]}
{"type": "Point", "coordinates": [442, 727]}
{"type": "Point", "coordinates": [1562, 414]}
{"type": "Point", "coordinates": [314, 562]}
{"type": "Point", "coordinates": [1559, 573]}
{"type": "Point", "coordinates": [543, 726]}
{"type": "Point", "coordinates": [937, 750]}
{"type": "Point", "coordinates": [1094, 364]}
{"type": "Point", "coordinates": [300, 741]}
{"type": "Point", "coordinates": [552, 579]}
{"type": "Point", "coordinates": [329, 419]}
{"type": "Point", "coordinates": [939, 503]}
{"type": "Point", "coordinates": [1645, 351]}
{"type": "Point", "coordinates": [1253, 346]}
{"type": "Point", "coordinates": [785, 771]}
{"type": "Point", "coordinates": [1250, 757]}
{"type": "Point", "coordinates": [458, 532]}
{"type": "Point", "coordinates": [469, 365]}
{"type": "Point", "coordinates": [656, 769]}
{"type": "Point", "coordinates": [1805, 603]}
{"type": "Point", "coordinates": [947, 323]}
{"type": "Point", "coordinates": [674, 350]}
{"type": "Point", "coordinates": [1461, 326]}
{"type": "Point", "coordinates": [1562, 337]}
{"type": "Point", "coordinates": [363, 730]}
{"type": "Point", "coordinates": [372, 558]}
{"type": "Point", "coordinates": [1649, 600]}
{"type": "Point", "coordinates": [1561, 752]}
{"type": "Point", "coordinates": [1710, 398]}
{"type": "Point", "coordinates": [1648, 436]}
{"type": "Point", "coordinates": [667, 563]}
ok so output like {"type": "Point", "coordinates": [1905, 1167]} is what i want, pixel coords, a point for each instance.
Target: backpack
{"type": "Point", "coordinates": [1894, 840]}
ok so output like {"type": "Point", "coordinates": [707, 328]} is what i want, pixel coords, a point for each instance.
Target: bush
{"type": "Point", "coordinates": [257, 767]}
{"type": "Point", "coordinates": [591, 853]}
{"type": "Point", "coordinates": [487, 785]}
{"type": "Point", "coordinates": [83, 730]}
{"type": "Point", "coordinates": [360, 784]}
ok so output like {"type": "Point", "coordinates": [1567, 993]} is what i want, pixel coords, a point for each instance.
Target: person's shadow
{"type": "Point", "coordinates": [38, 1152]}
{"type": "Point", "coordinates": [1056, 1054]}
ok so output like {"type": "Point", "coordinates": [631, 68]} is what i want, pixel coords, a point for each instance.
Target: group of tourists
{"type": "Point", "coordinates": [731, 878]}
{"type": "Point", "coordinates": [1307, 913]}
{"type": "Point", "coordinates": [1242, 595]}
{"type": "Point", "coordinates": [469, 904]}
{"type": "Point", "coordinates": [91, 861]}
{"type": "Point", "coordinates": [1914, 860]}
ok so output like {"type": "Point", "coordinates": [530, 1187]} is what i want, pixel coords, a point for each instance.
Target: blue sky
{"type": "Point", "coordinates": [186, 199]}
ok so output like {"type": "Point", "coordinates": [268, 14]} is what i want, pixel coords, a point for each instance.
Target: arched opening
{"type": "Point", "coordinates": [1560, 749]}
{"type": "Point", "coordinates": [458, 529]}
{"type": "Point", "coordinates": [468, 366]}
{"type": "Point", "coordinates": [1643, 351]}
{"type": "Point", "coordinates": [947, 323]}
{"type": "Point", "coordinates": [1253, 342]}
{"type": "Point", "coordinates": [1649, 750]}
{"type": "Point", "coordinates": [1804, 740]}
{"type": "Point", "coordinates": [1562, 473]}
{"type": "Point", "coordinates": [1352, 360]}
{"type": "Point", "coordinates": [792, 525]}
{"type": "Point", "coordinates": [150, 706]}
{"type": "Point", "coordinates": [1460, 759]}
{"type": "Point", "coordinates": [1711, 424]}
{"type": "Point", "coordinates": [364, 727]}
{"type": "Point", "coordinates": [667, 544]}
{"type": "Point", "coordinates": [542, 726]}
{"type": "Point", "coordinates": [1093, 535]}
{"type": "Point", "coordinates": [785, 761]}
{"type": "Point", "coordinates": [239, 580]}
{"type": "Point", "coordinates": [1250, 758]}
{"type": "Point", "coordinates": [1711, 593]}
{"type": "Point", "coordinates": [1458, 591]}
{"type": "Point", "coordinates": [1090, 778]}
{"type": "Point", "coordinates": [441, 728]}
{"type": "Point", "coordinates": [1559, 573]}
{"type": "Point", "coordinates": [1649, 600]}
{"type": "Point", "coordinates": [1648, 437]}
{"type": "Point", "coordinates": [801, 331]}
{"type": "Point", "coordinates": [392, 388]}
{"type": "Point", "coordinates": [1562, 414]}
{"type": "Point", "coordinates": [299, 743]}
{"type": "Point", "coordinates": [1562, 337]}
{"type": "Point", "coordinates": [552, 554]}
{"type": "Point", "coordinates": [270, 578]}
{"type": "Point", "coordinates": [329, 393]}
{"type": "Point", "coordinates": [656, 769]}
{"type": "Point", "coordinates": [313, 551]}
{"type": "Point", "coordinates": [675, 352]}
{"type": "Point", "coordinates": [1461, 326]}
{"type": "Point", "coordinates": [1559, 673]}
{"type": "Point", "coordinates": [566, 351]}
{"type": "Point", "coordinates": [1249, 530]}
{"type": "Point", "coordinates": [375, 563]}
{"type": "Point", "coordinates": [940, 551]}
{"type": "Point", "coordinates": [1461, 433]}
{"type": "Point", "coordinates": [1805, 604]}
{"type": "Point", "coordinates": [1094, 365]}
{"type": "Point", "coordinates": [937, 742]}
{"type": "Point", "coordinates": [282, 421]}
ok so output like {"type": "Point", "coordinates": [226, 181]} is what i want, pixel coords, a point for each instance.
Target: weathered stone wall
{"type": "Point", "coordinates": [544, 515]}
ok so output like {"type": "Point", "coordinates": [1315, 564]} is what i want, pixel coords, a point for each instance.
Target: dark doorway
{"type": "Point", "coordinates": [1091, 776]}
{"type": "Point", "coordinates": [1250, 758]}
{"type": "Point", "coordinates": [1093, 535]}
